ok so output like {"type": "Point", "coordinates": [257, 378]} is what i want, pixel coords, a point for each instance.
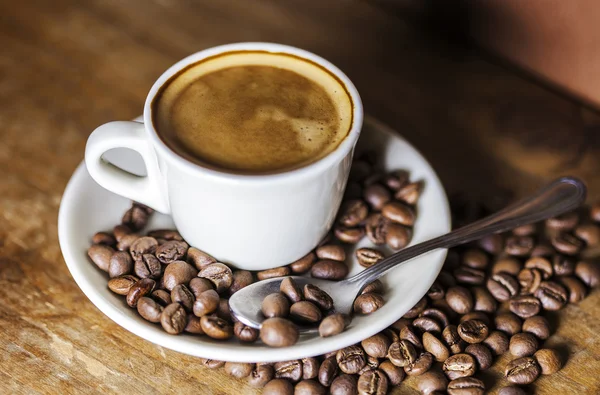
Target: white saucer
{"type": "Point", "coordinates": [87, 208]}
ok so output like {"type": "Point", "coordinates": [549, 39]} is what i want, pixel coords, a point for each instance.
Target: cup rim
{"type": "Point", "coordinates": [309, 170]}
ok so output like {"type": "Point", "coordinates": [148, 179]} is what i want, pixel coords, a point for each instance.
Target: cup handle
{"type": "Point", "coordinates": [149, 190]}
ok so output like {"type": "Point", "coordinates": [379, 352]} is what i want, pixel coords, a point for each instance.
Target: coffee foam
{"type": "Point", "coordinates": [255, 112]}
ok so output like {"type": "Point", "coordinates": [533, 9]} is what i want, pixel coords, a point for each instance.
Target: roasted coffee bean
{"type": "Point", "coordinates": [492, 244]}
{"type": "Point", "coordinates": [466, 386]}
{"type": "Point", "coordinates": [589, 233]}
{"type": "Point", "coordinates": [239, 280]}
{"type": "Point", "coordinates": [239, 370]}
{"type": "Point", "coordinates": [396, 180]}
{"type": "Point", "coordinates": [329, 270]}
{"type": "Point", "coordinates": [476, 315]}
{"type": "Point", "coordinates": [575, 288]}
{"type": "Point", "coordinates": [427, 324]}
{"type": "Point", "coordinates": [328, 370]}
{"type": "Point", "coordinates": [314, 294]}
{"type": "Point", "coordinates": [281, 271]}
{"type": "Point", "coordinates": [398, 213]}
{"type": "Point", "coordinates": [344, 384]}
{"type": "Point", "coordinates": [126, 241]}
{"type": "Point", "coordinates": [166, 234]}
{"type": "Point", "coordinates": [310, 368]}
{"type": "Point", "coordinates": [223, 311]}
{"type": "Point", "coordinates": [397, 236]}
{"type": "Point", "coordinates": [174, 319]}
{"type": "Point", "coordinates": [377, 196]}
{"type": "Point", "coordinates": [352, 213]}
{"type": "Point", "coordinates": [278, 387]}
{"type": "Point", "coordinates": [522, 371]}
{"type": "Point", "coordinates": [435, 346]}
{"type": "Point", "coordinates": [372, 382]}
{"type": "Point", "coordinates": [432, 382]}
{"type": "Point", "coordinates": [553, 296]}
{"type": "Point", "coordinates": [525, 306]}
{"type": "Point", "coordinates": [391, 334]}
{"type": "Point", "coordinates": [402, 353]}
{"type": "Point", "coordinates": [537, 326]}
{"type": "Point", "coordinates": [331, 252]}
{"type": "Point", "coordinates": [278, 332]}
{"type": "Point", "coordinates": [508, 323]}
{"type": "Point", "coordinates": [416, 309]}
{"type": "Point", "coordinates": [309, 387]}
{"type": "Point", "coordinates": [182, 295]}
{"type": "Point", "coordinates": [305, 312]}
{"type": "Point", "coordinates": [529, 280]}
{"type": "Point", "coordinates": [141, 288]}
{"type": "Point", "coordinates": [394, 373]}
{"type": "Point", "coordinates": [178, 272]}
{"type": "Point", "coordinates": [207, 302]}
{"type": "Point", "coordinates": [459, 299]}
{"type": "Point", "coordinates": [497, 342]}
{"type": "Point", "coordinates": [549, 361]}
{"type": "Point", "coordinates": [523, 345]}
{"type": "Point", "coordinates": [374, 287]}
{"type": "Point", "coordinates": [367, 257]}
{"type": "Point", "coordinates": [563, 265]}
{"type": "Point", "coordinates": [437, 315]}
{"type": "Point", "coordinates": [376, 228]}
{"type": "Point", "coordinates": [136, 217]}
{"type": "Point", "coordinates": [348, 235]}
{"type": "Point", "coordinates": [563, 222]}
{"type": "Point", "coordinates": [519, 245]}
{"type": "Point", "coordinates": [291, 290]}
{"type": "Point", "coordinates": [170, 251]}
{"type": "Point", "coordinates": [211, 363]}
{"type": "Point", "coordinates": [401, 323]}
{"type": "Point", "coordinates": [525, 230]}
{"type": "Point", "coordinates": [421, 365]}
{"type": "Point", "coordinates": [275, 305]}
{"type": "Point", "coordinates": [245, 333]}
{"type": "Point", "coordinates": [473, 331]}
{"type": "Point", "coordinates": [143, 245]}
{"type": "Point", "coordinates": [121, 285]}
{"type": "Point", "coordinates": [475, 259]}
{"type": "Point", "coordinates": [199, 259]}
{"type": "Point", "coordinates": [377, 345]}
{"type": "Point", "coordinates": [303, 264]}
{"type": "Point", "coordinates": [198, 285]}
{"type": "Point", "coordinates": [260, 376]}
{"type": "Point", "coordinates": [502, 286]}
{"type": "Point", "coordinates": [147, 266]}
{"type": "Point", "coordinates": [368, 303]}
{"type": "Point", "coordinates": [436, 291]}
{"type": "Point", "coordinates": [333, 324]}
{"type": "Point", "coordinates": [351, 359]}
{"type": "Point", "coordinates": [219, 274]}
{"type": "Point", "coordinates": [104, 238]}
{"type": "Point", "coordinates": [467, 275]}
{"type": "Point", "coordinates": [121, 231]}
{"type": "Point", "coordinates": [595, 212]}
{"type": "Point", "coordinates": [508, 265]}
{"type": "Point", "coordinates": [512, 390]}
{"type": "Point", "coordinates": [542, 264]}
{"type": "Point", "coordinates": [217, 328]}
{"type": "Point", "coordinates": [484, 301]}
{"type": "Point", "coordinates": [149, 309]}
{"type": "Point", "coordinates": [442, 305]}
{"type": "Point", "coordinates": [161, 297]}
{"type": "Point", "coordinates": [193, 325]}
{"type": "Point", "coordinates": [482, 355]}
{"type": "Point", "coordinates": [412, 335]}
{"type": "Point", "coordinates": [543, 249]}
{"type": "Point", "coordinates": [291, 370]}
{"type": "Point", "coordinates": [567, 244]}
{"type": "Point", "coordinates": [409, 193]}
{"type": "Point", "coordinates": [120, 263]}
{"type": "Point", "coordinates": [454, 342]}
{"type": "Point", "coordinates": [588, 272]}
{"type": "Point", "coordinates": [101, 255]}
{"type": "Point", "coordinates": [459, 365]}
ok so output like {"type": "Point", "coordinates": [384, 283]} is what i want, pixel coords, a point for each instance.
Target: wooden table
{"type": "Point", "coordinates": [68, 66]}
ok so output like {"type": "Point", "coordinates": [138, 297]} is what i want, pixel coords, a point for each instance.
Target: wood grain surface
{"type": "Point", "coordinates": [67, 66]}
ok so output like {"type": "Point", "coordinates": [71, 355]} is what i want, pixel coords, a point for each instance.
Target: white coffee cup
{"type": "Point", "coordinates": [252, 222]}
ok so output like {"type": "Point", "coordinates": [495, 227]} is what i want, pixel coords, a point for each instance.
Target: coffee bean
{"type": "Point", "coordinates": [376, 346]}
{"type": "Point", "coordinates": [120, 263]}
{"type": "Point", "coordinates": [525, 306]}
{"type": "Point", "coordinates": [454, 342]}
{"type": "Point", "coordinates": [394, 374]}
{"type": "Point", "coordinates": [589, 233]}
{"type": "Point", "coordinates": [101, 255]}
{"type": "Point", "coordinates": [459, 365]}
{"type": "Point", "coordinates": [351, 359]}
{"type": "Point", "coordinates": [211, 363]}
{"type": "Point", "coordinates": [182, 295]}
{"type": "Point", "coordinates": [368, 303]}
{"type": "Point", "coordinates": [396, 179]}
{"type": "Point", "coordinates": [400, 323]}
{"type": "Point", "coordinates": [281, 271]}
{"type": "Point", "coordinates": [512, 390]}
{"type": "Point", "coordinates": [352, 213]}
{"type": "Point", "coordinates": [427, 324]}
{"type": "Point", "coordinates": [143, 245]}
{"type": "Point", "coordinates": [333, 324]}
{"type": "Point", "coordinates": [575, 288]}
{"type": "Point", "coordinates": [174, 319]}
{"type": "Point", "coordinates": [525, 230]}
{"type": "Point", "coordinates": [588, 272]}
{"type": "Point", "coordinates": [398, 213]}
{"type": "Point", "coordinates": [305, 312]}
{"type": "Point", "coordinates": [529, 280]}
{"type": "Point", "coordinates": [193, 325]}
{"type": "Point", "coordinates": [166, 234]}
{"type": "Point", "coordinates": [310, 368]}
{"type": "Point", "coordinates": [278, 387]}
{"type": "Point", "coordinates": [397, 236]}
{"type": "Point", "coordinates": [139, 289]}
{"type": "Point", "coordinates": [309, 387]}
{"type": "Point", "coordinates": [492, 244]}
{"type": "Point", "coordinates": [278, 332]}
{"type": "Point", "coordinates": [291, 290]}
{"type": "Point", "coordinates": [121, 285]}
{"type": "Point", "coordinates": [416, 309]}
{"type": "Point", "coordinates": [432, 382]}
{"type": "Point", "coordinates": [523, 344]}
{"type": "Point", "coordinates": [459, 299]}
{"type": "Point", "coordinates": [522, 371]}
{"type": "Point", "coordinates": [219, 274]}
{"type": "Point", "coordinates": [475, 259]}
{"type": "Point", "coordinates": [549, 361]}
{"type": "Point", "coordinates": [161, 297]}
{"type": "Point", "coordinates": [482, 355]}
{"type": "Point", "coordinates": [199, 259]}
{"type": "Point", "coordinates": [497, 342]}
{"type": "Point", "coordinates": [149, 309]}
{"type": "Point", "coordinates": [563, 265]}
{"type": "Point", "coordinates": [207, 302]}
{"type": "Point", "coordinates": [171, 251]}
{"type": "Point", "coordinates": [245, 333]}
{"type": "Point", "coordinates": [373, 287]}
{"type": "Point", "coordinates": [303, 264]}
{"type": "Point", "coordinates": [178, 272]}
{"type": "Point", "coordinates": [508, 323]}
{"type": "Point", "coordinates": [148, 267]}
{"type": "Point", "coordinates": [412, 335]}
{"type": "Point", "coordinates": [440, 318]}
{"type": "Point", "coordinates": [223, 311]}
{"type": "Point", "coordinates": [476, 315]}
{"type": "Point", "coordinates": [331, 252]}
{"type": "Point", "coordinates": [595, 212]}
{"type": "Point", "coordinates": [473, 331]}
{"type": "Point", "coordinates": [484, 301]}
{"type": "Point", "coordinates": [239, 370]}
{"type": "Point", "coordinates": [367, 257]}
{"type": "Point", "coordinates": [217, 328]}
{"type": "Point", "coordinates": [467, 275]}
{"type": "Point", "coordinates": [240, 279]}
{"type": "Point", "coordinates": [436, 291]}
{"type": "Point", "coordinates": [275, 305]}
{"type": "Point", "coordinates": [409, 193]}
{"type": "Point", "coordinates": [435, 346]}
{"type": "Point", "coordinates": [421, 365]}
{"type": "Point", "coordinates": [563, 222]}
{"type": "Point", "coordinates": [121, 231]}
{"type": "Point", "coordinates": [508, 265]}
{"type": "Point", "coordinates": [198, 285]}
{"type": "Point", "coordinates": [329, 270]}
{"type": "Point", "coordinates": [372, 382]}
{"type": "Point", "coordinates": [391, 334]}
{"type": "Point", "coordinates": [377, 196]}
{"type": "Point", "coordinates": [519, 245]}
{"type": "Point", "coordinates": [538, 326]}
{"type": "Point", "coordinates": [466, 386]}
{"type": "Point", "coordinates": [328, 370]}
{"type": "Point", "coordinates": [136, 217]}
{"type": "Point", "coordinates": [348, 235]}
{"type": "Point", "coordinates": [567, 244]}
{"type": "Point", "coordinates": [260, 376]}
{"type": "Point", "coordinates": [104, 238]}
{"type": "Point", "coordinates": [542, 264]}
{"type": "Point", "coordinates": [316, 295]}
{"type": "Point", "coordinates": [402, 353]}
{"type": "Point", "coordinates": [553, 296]}
{"type": "Point", "coordinates": [502, 286]}
{"type": "Point", "coordinates": [376, 228]}
{"type": "Point", "coordinates": [344, 384]}
{"type": "Point", "coordinates": [126, 241]}
{"type": "Point", "coordinates": [291, 370]}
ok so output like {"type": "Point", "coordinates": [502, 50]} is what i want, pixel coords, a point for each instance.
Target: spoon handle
{"type": "Point", "coordinates": [560, 196]}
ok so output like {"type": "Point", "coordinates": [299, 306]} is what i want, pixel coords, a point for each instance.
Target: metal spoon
{"type": "Point", "coordinates": [560, 196]}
